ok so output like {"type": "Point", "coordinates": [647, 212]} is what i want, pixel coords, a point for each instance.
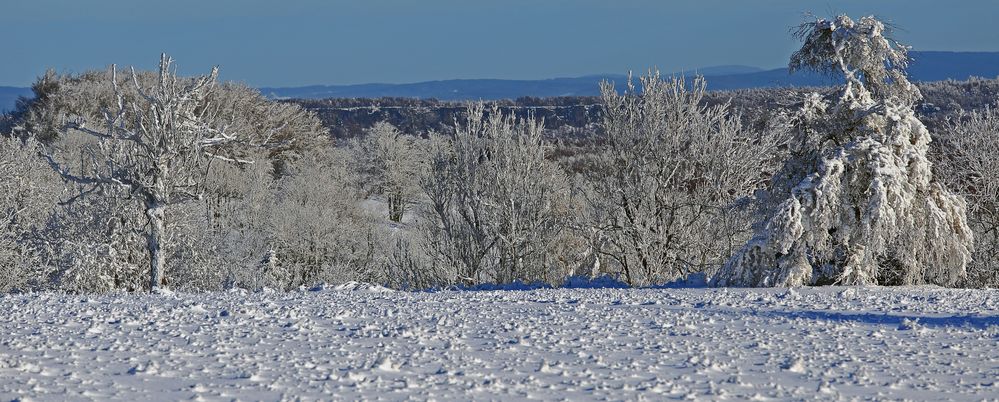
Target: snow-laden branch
{"type": "Point", "coordinates": [863, 208]}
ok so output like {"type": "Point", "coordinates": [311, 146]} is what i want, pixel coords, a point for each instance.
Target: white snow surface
{"type": "Point", "coordinates": [920, 343]}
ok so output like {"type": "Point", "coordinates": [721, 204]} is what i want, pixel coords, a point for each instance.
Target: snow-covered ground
{"type": "Point", "coordinates": [707, 344]}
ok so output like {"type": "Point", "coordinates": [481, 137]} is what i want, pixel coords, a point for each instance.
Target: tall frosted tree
{"type": "Point", "coordinates": [155, 142]}
{"type": "Point", "coordinates": [856, 204]}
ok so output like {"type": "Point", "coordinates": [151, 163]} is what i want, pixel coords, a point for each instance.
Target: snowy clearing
{"type": "Point", "coordinates": [353, 342]}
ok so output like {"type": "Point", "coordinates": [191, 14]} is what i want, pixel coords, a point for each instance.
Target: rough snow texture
{"type": "Point", "coordinates": [860, 205]}
{"type": "Point", "coordinates": [917, 343]}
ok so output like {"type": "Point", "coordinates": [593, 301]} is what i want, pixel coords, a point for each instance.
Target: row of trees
{"type": "Point", "coordinates": [575, 117]}
{"type": "Point", "coordinates": [142, 180]}
{"type": "Point", "coordinates": [153, 179]}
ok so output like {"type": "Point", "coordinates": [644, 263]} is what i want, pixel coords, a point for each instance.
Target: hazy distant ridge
{"type": "Point", "coordinates": [927, 66]}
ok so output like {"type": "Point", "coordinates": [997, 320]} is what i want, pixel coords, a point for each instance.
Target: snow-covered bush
{"type": "Point", "coordinates": [318, 232]}
{"type": "Point", "coordinates": [404, 263]}
{"type": "Point", "coordinates": [499, 208]}
{"type": "Point", "coordinates": [28, 190]}
{"type": "Point", "coordinates": [97, 244]}
{"type": "Point", "coordinates": [237, 204]}
{"type": "Point", "coordinates": [661, 190]}
{"type": "Point", "coordinates": [856, 203]}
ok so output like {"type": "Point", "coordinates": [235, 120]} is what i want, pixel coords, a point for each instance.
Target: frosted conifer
{"type": "Point", "coordinates": [856, 204]}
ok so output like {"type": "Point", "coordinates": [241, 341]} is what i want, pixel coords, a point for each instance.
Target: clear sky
{"type": "Point", "coordinates": [292, 42]}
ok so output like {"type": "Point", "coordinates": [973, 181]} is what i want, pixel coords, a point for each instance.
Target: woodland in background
{"type": "Point", "coordinates": [571, 117]}
{"type": "Point", "coordinates": [121, 181]}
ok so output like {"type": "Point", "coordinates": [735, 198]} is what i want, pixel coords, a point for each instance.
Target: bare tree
{"type": "Point", "coordinates": [969, 164]}
{"type": "Point", "coordinates": [97, 240]}
{"type": "Point", "coordinates": [856, 204]}
{"type": "Point", "coordinates": [499, 206]}
{"type": "Point", "coordinates": [156, 145]}
{"type": "Point", "coordinates": [392, 163]}
{"type": "Point", "coordinates": [664, 185]}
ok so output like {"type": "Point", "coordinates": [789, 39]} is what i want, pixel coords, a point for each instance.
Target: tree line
{"type": "Point", "coordinates": [130, 180]}
{"type": "Point", "coordinates": [571, 118]}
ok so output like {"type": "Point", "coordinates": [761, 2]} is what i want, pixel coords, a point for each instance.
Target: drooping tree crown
{"type": "Point", "coordinates": [856, 203]}
{"type": "Point", "coordinates": [864, 52]}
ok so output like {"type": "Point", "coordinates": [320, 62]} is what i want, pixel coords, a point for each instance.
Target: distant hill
{"type": "Point", "coordinates": [927, 66]}
{"type": "Point", "coordinates": [452, 89]}
{"type": "Point", "coordinates": [725, 70]}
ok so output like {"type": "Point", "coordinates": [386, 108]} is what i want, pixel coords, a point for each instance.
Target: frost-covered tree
{"type": "Point", "coordinates": [301, 228]}
{"type": "Point", "coordinates": [155, 144]}
{"type": "Point", "coordinates": [98, 239]}
{"type": "Point", "coordinates": [280, 132]}
{"type": "Point", "coordinates": [667, 175]}
{"type": "Point", "coordinates": [392, 164]}
{"type": "Point", "coordinates": [499, 207]}
{"type": "Point", "coordinates": [856, 204]}
{"type": "Point", "coordinates": [35, 114]}
{"type": "Point", "coordinates": [969, 164]}
{"type": "Point", "coordinates": [317, 230]}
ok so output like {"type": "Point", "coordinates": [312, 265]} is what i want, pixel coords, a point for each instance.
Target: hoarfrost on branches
{"type": "Point", "coordinates": [670, 170]}
{"type": "Point", "coordinates": [500, 210]}
{"type": "Point", "coordinates": [391, 163]}
{"type": "Point", "coordinates": [856, 204]}
{"type": "Point", "coordinates": [970, 167]}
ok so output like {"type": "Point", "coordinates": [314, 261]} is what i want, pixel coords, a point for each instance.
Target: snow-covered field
{"type": "Point", "coordinates": [706, 344]}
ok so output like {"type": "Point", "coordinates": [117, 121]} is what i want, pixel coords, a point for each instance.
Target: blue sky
{"type": "Point", "coordinates": [290, 43]}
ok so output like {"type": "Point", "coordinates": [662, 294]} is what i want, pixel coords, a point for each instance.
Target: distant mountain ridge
{"type": "Point", "coordinates": [927, 66]}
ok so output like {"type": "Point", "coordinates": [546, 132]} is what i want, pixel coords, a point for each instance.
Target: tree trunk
{"type": "Point", "coordinates": [155, 211]}
{"type": "Point", "coordinates": [395, 205]}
